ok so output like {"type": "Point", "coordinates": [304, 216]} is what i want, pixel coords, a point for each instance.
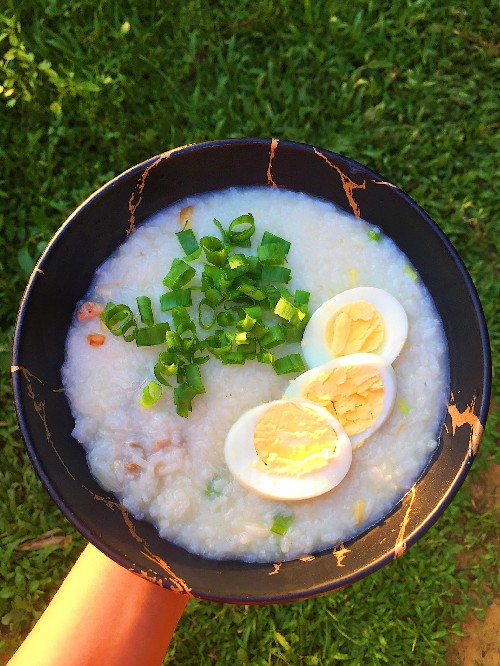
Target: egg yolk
{"type": "Point", "coordinates": [354, 394]}
{"type": "Point", "coordinates": [357, 327]}
{"type": "Point", "coordinates": [294, 439]}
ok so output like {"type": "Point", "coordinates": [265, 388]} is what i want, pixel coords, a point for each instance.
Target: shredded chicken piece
{"type": "Point", "coordinates": [133, 468]}
{"type": "Point", "coordinates": [161, 444]}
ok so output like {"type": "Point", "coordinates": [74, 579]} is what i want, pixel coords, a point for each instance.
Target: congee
{"type": "Point", "coordinates": [197, 322]}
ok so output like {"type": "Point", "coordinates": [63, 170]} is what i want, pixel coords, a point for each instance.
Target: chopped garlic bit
{"type": "Point", "coordinates": [186, 217]}
{"type": "Point", "coordinates": [359, 511]}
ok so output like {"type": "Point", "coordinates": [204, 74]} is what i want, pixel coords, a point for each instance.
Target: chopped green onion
{"type": "Point", "coordinates": [238, 261]}
{"type": "Point", "coordinates": [161, 373]}
{"type": "Point", "coordinates": [152, 335]}
{"type": "Point", "coordinates": [182, 321]}
{"type": "Point", "coordinates": [225, 319]}
{"type": "Point", "coordinates": [239, 293]}
{"type": "Point", "coordinates": [302, 297]}
{"type": "Point", "coordinates": [200, 359]}
{"type": "Point", "coordinates": [403, 406]}
{"type": "Point", "coordinates": [247, 323]}
{"type": "Point", "coordinates": [179, 274]}
{"type": "Point", "coordinates": [288, 311]}
{"type": "Point", "coordinates": [117, 318]}
{"type": "Point", "coordinates": [271, 253]}
{"type": "Point", "coordinates": [214, 250]}
{"type": "Point", "coordinates": [233, 358]}
{"type": "Point", "coordinates": [252, 292]}
{"type": "Point", "coordinates": [174, 299]}
{"type": "Point", "coordinates": [183, 397]}
{"type": "Point", "coordinates": [275, 336]}
{"type": "Point", "coordinates": [374, 235]}
{"type": "Point", "coordinates": [151, 394]}
{"type": "Point", "coordinates": [170, 363]}
{"type": "Point", "coordinates": [281, 524]}
{"type": "Point", "coordinates": [193, 377]}
{"type": "Point", "coordinates": [129, 331]}
{"type": "Point", "coordinates": [173, 341]}
{"type": "Point", "coordinates": [268, 237]}
{"type": "Point", "coordinates": [241, 338]}
{"type": "Point", "coordinates": [189, 343]}
{"type": "Point", "coordinates": [409, 270]}
{"type": "Point", "coordinates": [212, 490]}
{"type": "Point", "coordinates": [288, 363]}
{"type": "Point", "coordinates": [254, 311]}
{"type": "Point", "coordinates": [213, 296]}
{"type": "Point", "coordinates": [295, 333]}
{"type": "Point", "coordinates": [145, 310]}
{"type": "Point", "coordinates": [222, 231]}
{"type": "Point", "coordinates": [241, 230]}
{"type": "Point", "coordinates": [272, 295]}
{"type": "Point", "coordinates": [188, 242]}
{"type": "Point", "coordinates": [218, 344]}
{"type": "Point", "coordinates": [276, 274]}
{"type": "Point", "coordinates": [265, 357]}
{"type": "Point", "coordinates": [206, 314]}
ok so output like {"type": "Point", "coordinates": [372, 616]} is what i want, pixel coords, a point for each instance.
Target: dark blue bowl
{"type": "Point", "coordinates": [93, 232]}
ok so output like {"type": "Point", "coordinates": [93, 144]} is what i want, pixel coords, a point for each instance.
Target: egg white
{"type": "Point", "coordinates": [246, 466]}
{"type": "Point", "coordinates": [298, 387]}
{"type": "Point", "coordinates": [314, 346]}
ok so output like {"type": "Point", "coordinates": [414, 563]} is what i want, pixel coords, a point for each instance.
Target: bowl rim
{"type": "Point", "coordinates": [327, 585]}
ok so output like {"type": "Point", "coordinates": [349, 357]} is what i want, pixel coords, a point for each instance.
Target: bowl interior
{"type": "Point", "coordinates": [90, 235]}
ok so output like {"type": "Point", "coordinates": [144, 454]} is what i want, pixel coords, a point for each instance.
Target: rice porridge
{"type": "Point", "coordinates": [171, 470]}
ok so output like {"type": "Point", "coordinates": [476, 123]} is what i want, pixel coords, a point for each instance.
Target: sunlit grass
{"type": "Point", "coordinates": [88, 89]}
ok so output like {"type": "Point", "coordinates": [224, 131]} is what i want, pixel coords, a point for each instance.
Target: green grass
{"type": "Point", "coordinates": [408, 88]}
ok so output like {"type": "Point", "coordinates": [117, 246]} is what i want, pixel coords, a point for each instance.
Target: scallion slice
{"type": "Point", "coordinates": [251, 291]}
{"type": "Point", "coordinates": [374, 235]}
{"type": "Point", "coordinates": [188, 242]}
{"type": "Point", "coordinates": [302, 297]}
{"type": "Point", "coordinates": [152, 335]}
{"type": "Point", "coordinates": [145, 310]}
{"type": "Point", "coordinates": [271, 253]}
{"type": "Point", "coordinates": [179, 274]}
{"type": "Point", "coordinates": [268, 237]}
{"type": "Point", "coordinates": [183, 397]}
{"type": "Point", "coordinates": [265, 357]}
{"type": "Point", "coordinates": [193, 377]}
{"type": "Point", "coordinates": [117, 318]}
{"type": "Point", "coordinates": [281, 524]}
{"type": "Point", "coordinates": [288, 311]}
{"type": "Point", "coordinates": [151, 394]}
{"type": "Point", "coordinates": [276, 274]}
{"type": "Point", "coordinates": [170, 363]}
{"type": "Point", "coordinates": [176, 298]}
{"type": "Point", "coordinates": [288, 363]}
{"type": "Point", "coordinates": [241, 230]}
{"type": "Point", "coordinates": [182, 321]}
{"type": "Point", "coordinates": [275, 336]}
{"type": "Point", "coordinates": [225, 319]}
{"type": "Point", "coordinates": [233, 358]}
{"type": "Point", "coordinates": [206, 314]}
{"type": "Point", "coordinates": [214, 250]}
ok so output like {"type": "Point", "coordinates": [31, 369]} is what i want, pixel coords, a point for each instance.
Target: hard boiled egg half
{"type": "Point", "coordinates": [359, 390]}
{"type": "Point", "coordinates": [288, 450]}
{"type": "Point", "coordinates": [360, 320]}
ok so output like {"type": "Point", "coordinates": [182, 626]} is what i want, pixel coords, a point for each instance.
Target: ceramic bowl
{"type": "Point", "coordinates": [91, 234]}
